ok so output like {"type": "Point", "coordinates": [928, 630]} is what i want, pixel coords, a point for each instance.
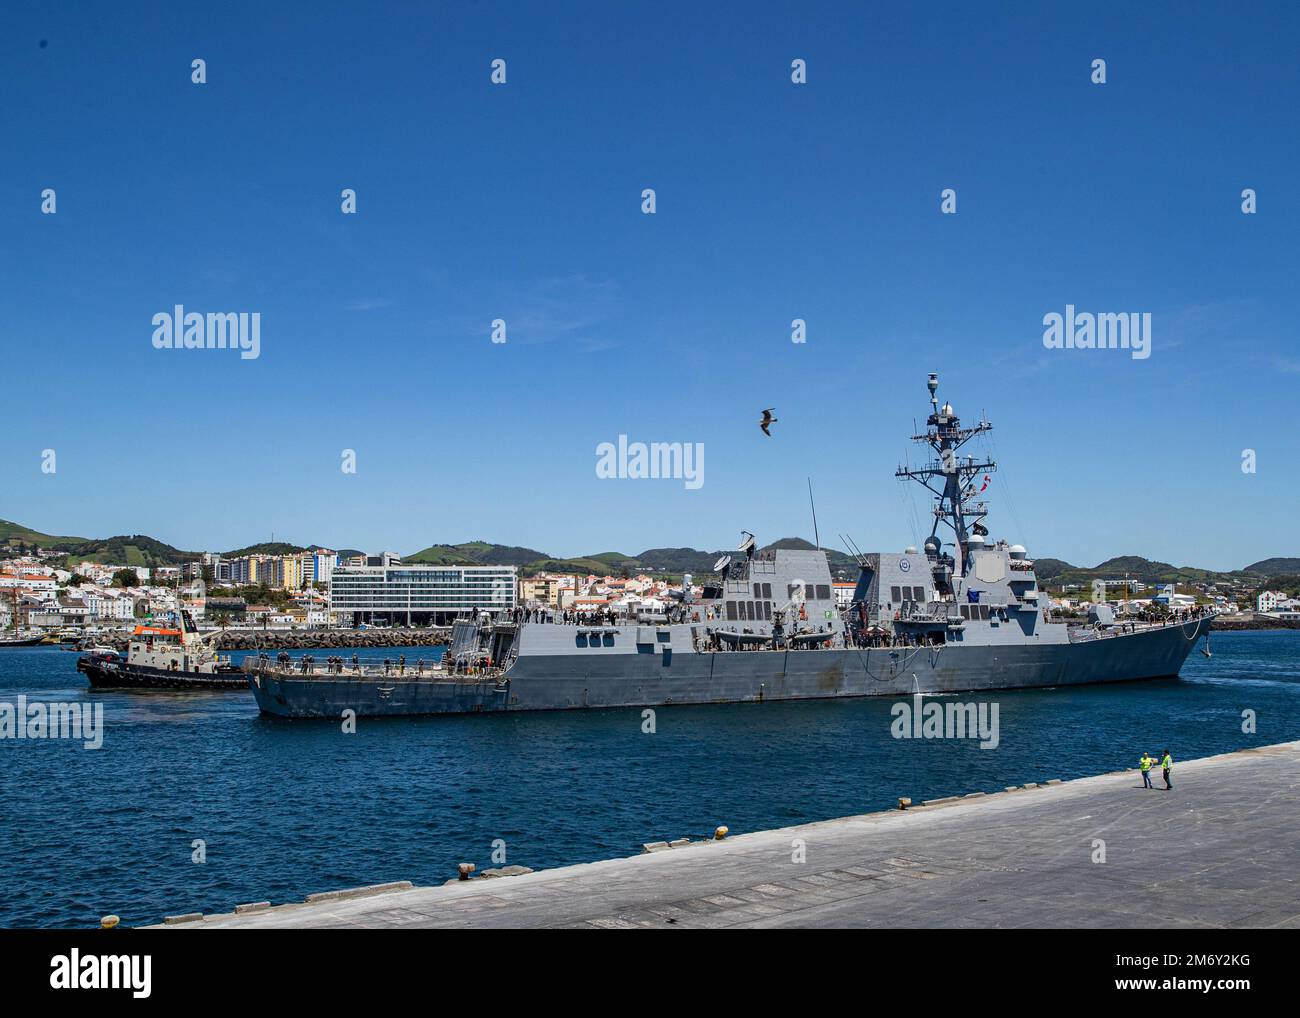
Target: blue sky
{"type": "Point", "coordinates": [523, 202]}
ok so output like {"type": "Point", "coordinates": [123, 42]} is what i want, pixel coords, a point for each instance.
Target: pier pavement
{"type": "Point", "coordinates": [1220, 850]}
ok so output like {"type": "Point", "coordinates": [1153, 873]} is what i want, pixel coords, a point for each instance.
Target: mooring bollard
{"type": "Point", "coordinates": [108, 922]}
{"type": "Point", "coordinates": [720, 833]}
{"type": "Point", "coordinates": [904, 803]}
{"type": "Point", "coordinates": [465, 869]}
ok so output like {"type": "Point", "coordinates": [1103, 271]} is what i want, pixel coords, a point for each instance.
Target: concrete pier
{"type": "Point", "coordinates": [1220, 850]}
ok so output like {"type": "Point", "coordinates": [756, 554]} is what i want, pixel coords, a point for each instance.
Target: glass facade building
{"type": "Point", "coordinates": [419, 593]}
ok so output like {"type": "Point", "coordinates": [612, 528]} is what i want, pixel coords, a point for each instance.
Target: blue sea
{"type": "Point", "coordinates": [289, 808]}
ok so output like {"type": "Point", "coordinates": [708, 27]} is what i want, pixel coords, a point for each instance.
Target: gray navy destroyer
{"type": "Point", "coordinates": [962, 614]}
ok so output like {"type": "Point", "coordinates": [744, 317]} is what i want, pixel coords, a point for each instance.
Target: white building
{"type": "Point", "coordinates": [1267, 600]}
{"type": "Point", "coordinates": [398, 593]}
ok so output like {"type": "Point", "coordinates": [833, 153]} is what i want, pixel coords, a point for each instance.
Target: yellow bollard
{"type": "Point", "coordinates": [108, 922]}
{"type": "Point", "coordinates": [464, 870]}
{"type": "Point", "coordinates": [904, 803]}
{"type": "Point", "coordinates": [720, 833]}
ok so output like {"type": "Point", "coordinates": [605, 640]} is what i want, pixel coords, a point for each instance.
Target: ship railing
{"type": "Point", "coordinates": [362, 670]}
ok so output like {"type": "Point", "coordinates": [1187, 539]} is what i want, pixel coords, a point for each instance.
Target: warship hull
{"type": "Point", "coordinates": [563, 681]}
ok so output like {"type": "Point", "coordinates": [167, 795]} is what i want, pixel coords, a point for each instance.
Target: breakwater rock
{"type": "Point", "coordinates": [1232, 625]}
{"type": "Point", "coordinates": [323, 639]}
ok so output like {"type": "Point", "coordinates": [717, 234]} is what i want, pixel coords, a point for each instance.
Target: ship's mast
{"type": "Point", "coordinates": [957, 502]}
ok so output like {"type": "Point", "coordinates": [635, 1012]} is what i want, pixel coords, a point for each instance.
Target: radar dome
{"type": "Point", "coordinates": [975, 540]}
{"type": "Point", "coordinates": [909, 551]}
{"type": "Point", "coordinates": [1017, 551]}
{"type": "Point", "coordinates": [932, 545]}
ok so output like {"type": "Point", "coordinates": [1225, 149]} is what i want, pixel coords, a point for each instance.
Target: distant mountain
{"type": "Point", "coordinates": [141, 550]}
{"type": "Point", "coordinates": [677, 560]}
{"type": "Point", "coordinates": [480, 553]}
{"type": "Point", "coordinates": [1135, 567]}
{"type": "Point", "coordinates": [1274, 567]}
{"type": "Point", "coordinates": [266, 548]}
{"type": "Point", "coordinates": [1050, 568]}
{"type": "Point", "coordinates": [837, 559]}
{"type": "Point", "coordinates": [658, 561]}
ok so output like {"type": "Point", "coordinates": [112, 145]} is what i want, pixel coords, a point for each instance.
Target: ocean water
{"type": "Point", "coordinates": [289, 808]}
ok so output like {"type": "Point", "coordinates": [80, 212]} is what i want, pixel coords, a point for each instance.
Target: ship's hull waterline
{"type": "Point", "coordinates": [542, 682]}
{"type": "Point", "coordinates": [103, 675]}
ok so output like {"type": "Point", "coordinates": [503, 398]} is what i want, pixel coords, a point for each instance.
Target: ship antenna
{"type": "Point", "coordinates": [948, 477]}
{"type": "Point", "coordinates": [854, 553]}
{"type": "Point", "coordinates": [816, 535]}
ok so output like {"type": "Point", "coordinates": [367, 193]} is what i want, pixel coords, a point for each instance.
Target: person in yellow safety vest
{"type": "Point", "coordinates": [1167, 763]}
{"type": "Point", "coordinates": [1145, 762]}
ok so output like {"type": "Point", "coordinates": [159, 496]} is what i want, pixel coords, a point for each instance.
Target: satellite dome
{"type": "Point", "coordinates": [932, 545]}
{"type": "Point", "coordinates": [976, 540]}
{"type": "Point", "coordinates": [1017, 551]}
{"type": "Point", "coordinates": [909, 551]}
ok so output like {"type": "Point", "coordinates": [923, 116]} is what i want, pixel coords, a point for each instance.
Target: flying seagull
{"type": "Point", "coordinates": [767, 419]}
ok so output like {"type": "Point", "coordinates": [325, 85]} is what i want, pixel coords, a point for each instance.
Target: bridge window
{"type": "Point", "coordinates": [731, 611]}
{"type": "Point", "coordinates": [896, 594]}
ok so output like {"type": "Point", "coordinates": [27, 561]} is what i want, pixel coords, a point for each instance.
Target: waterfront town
{"type": "Point", "coordinates": [320, 589]}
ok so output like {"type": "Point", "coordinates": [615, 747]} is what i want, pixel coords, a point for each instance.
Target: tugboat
{"type": "Point", "coordinates": [168, 656]}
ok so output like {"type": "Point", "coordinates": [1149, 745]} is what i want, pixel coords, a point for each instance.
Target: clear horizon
{"type": "Point", "coordinates": [522, 202]}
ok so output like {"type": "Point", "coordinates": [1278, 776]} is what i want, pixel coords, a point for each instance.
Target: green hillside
{"type": "Point", "coordinates": [481, 553]}
{"type": "Point", "coordinates": [266, 548]}
{"type": "Point", "coordinates": [133, 550]}
{"type": "Point", "coordinates": [15, 533]}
